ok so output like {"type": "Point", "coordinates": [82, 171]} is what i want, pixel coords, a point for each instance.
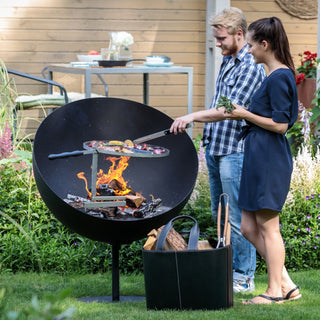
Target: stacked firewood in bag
{"type": "Point", "coordinates": [174, 241]}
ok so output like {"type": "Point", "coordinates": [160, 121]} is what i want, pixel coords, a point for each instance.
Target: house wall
{"type": "Point", "coordinates": [35, 33]}
{"type": "Point", "coordinates": [302, 33]}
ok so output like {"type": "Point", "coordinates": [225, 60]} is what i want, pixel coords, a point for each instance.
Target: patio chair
{"type": "Point", "coordinates": [30, 110]}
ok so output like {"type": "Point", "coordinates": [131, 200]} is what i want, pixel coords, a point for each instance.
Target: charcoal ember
{"type": "Point", "coordinates": [74, 198]}
{"type": "Point", "coordinates": [95, 214]}
{"type": "Point", "coordinates": [108, 211]}
{"type": "Point", "coordinates": [156, 203]}
{"type": "Point", "coordinates": [103, 186]}
{"type": "Point", "coordinates": [125, 211]}
{"type": "Point", "coordinates": [77, 204]}
{"type": "Point", "coordinates": [139, 213]}
{"type": "Point", "coordinates": [147, 208]}
{"type": "Point", "coordinates": [105, 190]}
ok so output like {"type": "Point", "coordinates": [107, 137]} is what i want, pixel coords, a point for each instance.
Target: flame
{"type": "Point", "coordinates": [118, 165]}
{"type": "Point", "coordinates": [80, 175]}
{"type": "Point", "coordinates": [115, 173]}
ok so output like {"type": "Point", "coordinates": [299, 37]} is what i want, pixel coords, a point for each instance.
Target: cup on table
{"type": "Point", "coordinates": [105, 53]}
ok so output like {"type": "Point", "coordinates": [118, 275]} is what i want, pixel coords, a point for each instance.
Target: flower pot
{"type": "Point", "coordinates": [306, 92]}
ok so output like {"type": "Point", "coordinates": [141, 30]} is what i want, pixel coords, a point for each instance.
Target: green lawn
{"type": "Point", "coordinates": [21, 287]}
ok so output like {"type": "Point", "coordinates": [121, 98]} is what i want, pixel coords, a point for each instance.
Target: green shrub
{"type": "Point", "coordinates": [300, 228]}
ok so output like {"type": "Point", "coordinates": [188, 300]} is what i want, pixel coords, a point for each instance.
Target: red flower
{"type": "Point", "coordinates": [300, 77]}
{"type": "Point", "coordinates": [308, 65]}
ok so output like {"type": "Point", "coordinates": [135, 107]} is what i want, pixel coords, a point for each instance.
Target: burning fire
{"type": "Point", "coordinates": [115, 173]}
{"type": "Point", "coordinates": [118, 165]}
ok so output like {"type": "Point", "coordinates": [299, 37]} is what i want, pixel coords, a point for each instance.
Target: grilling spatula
{"type": "Point", "coordinates": [157, 135]}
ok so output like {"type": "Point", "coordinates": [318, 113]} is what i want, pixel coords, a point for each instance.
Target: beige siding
{"type": "Point", "coordinates": [302, 33]}
{"type": "Point", "coordinates": [35, 33]}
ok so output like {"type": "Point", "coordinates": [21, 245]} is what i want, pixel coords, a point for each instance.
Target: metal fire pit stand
{"type": "Point", "coordinates": [111, 201]}
{"type": "Point", "coordinates": [115, 283]}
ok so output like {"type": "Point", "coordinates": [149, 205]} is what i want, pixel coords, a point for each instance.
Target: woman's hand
{"type": "Point", "coordinates": [266, 123]}
{"type": "Point", "coordinates": [238, 113]}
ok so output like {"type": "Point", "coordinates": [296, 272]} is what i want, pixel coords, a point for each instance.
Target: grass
{"type": "Point", "coordinates": [21, 287]}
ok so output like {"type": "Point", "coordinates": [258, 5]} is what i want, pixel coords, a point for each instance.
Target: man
{"type": "Point", "coordinates": [238, 79]}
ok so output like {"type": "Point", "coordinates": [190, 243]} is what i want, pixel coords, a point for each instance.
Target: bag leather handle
{"type": "Point", "coordinates": [193, 237]}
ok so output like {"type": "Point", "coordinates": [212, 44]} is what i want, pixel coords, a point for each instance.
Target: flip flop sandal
{"type": "Point", "coordinates": [272, 299]}
{"type": "Point", "coordinates": [289, 297]}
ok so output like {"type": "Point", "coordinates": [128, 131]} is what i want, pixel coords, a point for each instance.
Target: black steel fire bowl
{"type": "Point", "coordinates": [171, 178]}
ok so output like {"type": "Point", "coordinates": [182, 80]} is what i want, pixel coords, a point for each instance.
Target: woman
{"type": "Point", "coordinates": [267, 163]}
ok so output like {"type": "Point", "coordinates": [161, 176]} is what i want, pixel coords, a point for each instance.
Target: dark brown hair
{"type": "Point", "coordinates": [272, 31]}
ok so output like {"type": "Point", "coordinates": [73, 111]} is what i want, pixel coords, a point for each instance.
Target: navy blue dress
{"type": "Point", "coordinates": [267, 164]}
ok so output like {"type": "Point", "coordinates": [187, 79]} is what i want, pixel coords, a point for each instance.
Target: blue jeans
{"type": "Point", "coordinates": [224, 177]}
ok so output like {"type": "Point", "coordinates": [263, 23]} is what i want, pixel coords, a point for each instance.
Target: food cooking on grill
{"type": "Point", "coordinates": [126, 146]}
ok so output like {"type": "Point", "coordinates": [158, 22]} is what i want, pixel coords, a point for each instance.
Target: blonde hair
{"type": "Point", "coordinates": [232, 19]}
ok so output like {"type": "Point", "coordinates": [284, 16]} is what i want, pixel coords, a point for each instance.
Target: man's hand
{"type": "Point", "coordinates": [180, 124]}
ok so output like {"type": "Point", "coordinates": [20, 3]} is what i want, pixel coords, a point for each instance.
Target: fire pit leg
{"type": "Point", "coordinates": [115, 282]}
{"type": "Point", "coordinates": [115, 272]}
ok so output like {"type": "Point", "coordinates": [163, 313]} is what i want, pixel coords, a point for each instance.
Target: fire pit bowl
{"type": "Point", "coordinates": [170, 178]}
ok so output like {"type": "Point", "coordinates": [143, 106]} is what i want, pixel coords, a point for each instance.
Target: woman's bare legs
{"type": "Point", "coordinates": [288, 286]}
{"type": "Point", "coordinates": [261, 228]}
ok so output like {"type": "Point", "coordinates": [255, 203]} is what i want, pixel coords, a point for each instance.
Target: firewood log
{"type": "Point", "coordinates": [134, 201]}
{"type": "Point", "coordinates": [116, 185]}
{"type": "Point", "coordinates": [174, 240]}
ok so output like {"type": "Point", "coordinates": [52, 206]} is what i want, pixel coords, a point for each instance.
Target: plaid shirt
{"type": "Point", "coordinates": [238, 79]}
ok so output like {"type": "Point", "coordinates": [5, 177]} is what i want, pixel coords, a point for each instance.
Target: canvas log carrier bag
{"type": "Point", "coordinates": [188, 279]}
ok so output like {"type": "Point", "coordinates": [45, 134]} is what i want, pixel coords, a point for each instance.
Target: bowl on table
{"type": "Point", "coordinates": [89, 57]}
{"type": "Point", "coordinates": [157, 59]}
